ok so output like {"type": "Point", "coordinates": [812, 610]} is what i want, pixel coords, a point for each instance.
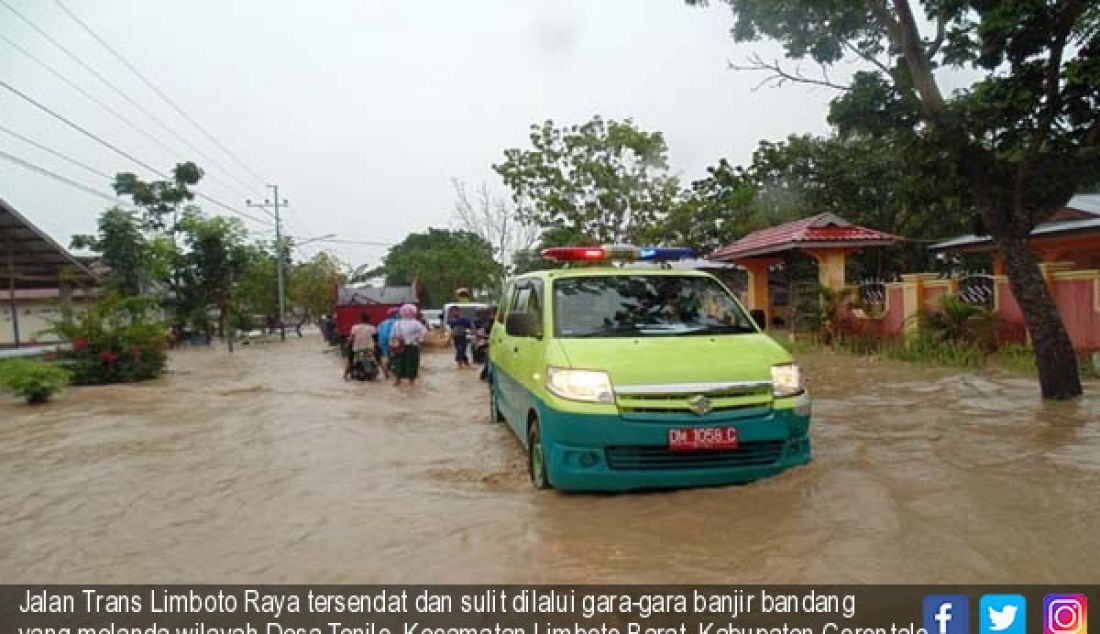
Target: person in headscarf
{"type": "Point", "coordinates": [405, 339]}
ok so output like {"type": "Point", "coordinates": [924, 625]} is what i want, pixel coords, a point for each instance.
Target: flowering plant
{"type": "Point", "coordinates": [116, 340]}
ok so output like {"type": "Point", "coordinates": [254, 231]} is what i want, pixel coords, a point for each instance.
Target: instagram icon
{"type": "Point", "coordinates": [1065, 614]}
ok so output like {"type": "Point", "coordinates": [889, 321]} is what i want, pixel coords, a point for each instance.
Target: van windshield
{"type": "Point", "coordinates": [645, 305]}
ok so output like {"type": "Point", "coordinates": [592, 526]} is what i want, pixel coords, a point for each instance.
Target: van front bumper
{"type": "Point", "coordinates": [586, 452]}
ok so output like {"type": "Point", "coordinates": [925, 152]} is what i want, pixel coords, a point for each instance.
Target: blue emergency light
{"type": "Point", "coordinates": [662, 254]}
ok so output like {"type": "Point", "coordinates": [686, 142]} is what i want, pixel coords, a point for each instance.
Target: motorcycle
{"type": "Point", "coordinates": [365, 367]}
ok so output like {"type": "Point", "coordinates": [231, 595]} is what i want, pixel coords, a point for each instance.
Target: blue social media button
{"type": "Point", "coordinates": [1002, 614]}
{"type": "Point", "coordinates": [946, 614]}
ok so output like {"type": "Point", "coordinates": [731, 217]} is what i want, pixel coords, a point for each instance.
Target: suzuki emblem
{"type": "Point", "coordinates": [699, 405]}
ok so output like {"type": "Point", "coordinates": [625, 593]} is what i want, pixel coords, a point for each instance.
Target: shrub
{"type": "Point", "coordinates": [114, 341]}
{"type": "Point", "coordinates": [33, 380]}
{"type": "Point", "coordinates": [961, 323]}
{"type": "Point", "coordinates": [824, 314]}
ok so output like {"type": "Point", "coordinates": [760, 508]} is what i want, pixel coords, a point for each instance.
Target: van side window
{"type": "Point", "coordinates": [534, 306]}
{"type": "Point", "coordinates": [516, 322]}
{"type": "Point", "coordinates": [520, 298]}
{"type": "Point", "coordinates": [505, 304]}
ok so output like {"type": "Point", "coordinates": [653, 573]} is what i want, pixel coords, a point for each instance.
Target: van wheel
{"type": "Point", "coordinates": [536, 459]}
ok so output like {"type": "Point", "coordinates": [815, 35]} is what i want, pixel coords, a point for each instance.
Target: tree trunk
{"type": "Point", "coordinates": [1058, 372]}
{"type": "Point", "coordinates": [227, 330]}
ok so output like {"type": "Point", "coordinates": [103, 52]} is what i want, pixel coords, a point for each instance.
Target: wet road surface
{"type": "Point", "coordinates": [264, 466]}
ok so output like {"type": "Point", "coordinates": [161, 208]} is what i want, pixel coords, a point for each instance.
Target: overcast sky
{"type": "Point", "coordinates": [363, 111]}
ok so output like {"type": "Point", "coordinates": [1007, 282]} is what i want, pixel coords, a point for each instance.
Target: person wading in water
{"type": "Point", "coordinates": [405, 339]}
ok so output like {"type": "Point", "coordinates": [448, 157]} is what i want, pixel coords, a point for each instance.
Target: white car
{"type": "Point", "coordinates": [434, 317]}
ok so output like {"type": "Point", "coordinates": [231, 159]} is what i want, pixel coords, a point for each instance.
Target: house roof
{"type": "Point", "coordinates": [1089, 204]}
{"type": "Point", "coordinates": [823, 230]}
{"type": "Point", "coordinates": [386, 295]}
{"type": "Point", "coordinates": [37, 261]}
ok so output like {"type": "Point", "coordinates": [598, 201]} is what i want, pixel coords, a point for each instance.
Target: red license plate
{"type": "Point", "coordinates": [702, 438]}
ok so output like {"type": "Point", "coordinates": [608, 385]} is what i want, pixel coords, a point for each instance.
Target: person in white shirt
{"type": "Point", "coordinates": [407, 334]}
{"type": "Point", "coordinates": [360, 341]}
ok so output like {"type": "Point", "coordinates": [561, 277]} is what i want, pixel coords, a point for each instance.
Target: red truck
{"type": "Point", "coordinates": [352, 301]}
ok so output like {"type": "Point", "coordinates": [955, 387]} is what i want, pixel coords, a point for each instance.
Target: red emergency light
{"type": "Point", "coordinates": [622, 252]}
{"type": "Point", "coordinates": [576, 254]}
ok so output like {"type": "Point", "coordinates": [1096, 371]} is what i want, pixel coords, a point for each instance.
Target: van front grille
{"type": "Point", "coordinates": [683, 403]}
{"type": "Point", "coordinates": [749, 454]}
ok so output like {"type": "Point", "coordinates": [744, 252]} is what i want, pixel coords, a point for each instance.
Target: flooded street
{"type": "Point", "coordinates": [264, 465]}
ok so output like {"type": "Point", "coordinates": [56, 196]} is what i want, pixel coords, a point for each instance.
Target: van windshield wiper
{"type": "Point", "coordinates": [622, 330]}
{"type": "Point", "coordinates": [716, 329]}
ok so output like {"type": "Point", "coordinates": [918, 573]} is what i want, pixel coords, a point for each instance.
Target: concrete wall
{"type": "Point", "coordinates": [1076, 292]}
{"type": "Point", "coordinates": [35, 315]}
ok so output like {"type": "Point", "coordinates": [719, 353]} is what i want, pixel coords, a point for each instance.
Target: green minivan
{"type": "Point", "coordinates": [618, 378]}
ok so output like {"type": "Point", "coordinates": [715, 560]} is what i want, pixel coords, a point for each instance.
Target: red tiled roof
{"type": "Point", "coordinates": [826, 230]}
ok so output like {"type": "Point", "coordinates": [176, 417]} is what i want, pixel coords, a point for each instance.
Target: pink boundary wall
{"type": "Point", "coordinates": [1077, 294]}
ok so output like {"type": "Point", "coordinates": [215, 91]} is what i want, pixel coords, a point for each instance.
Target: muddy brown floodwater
{"type": "Point", "coordinates": [264, 465]}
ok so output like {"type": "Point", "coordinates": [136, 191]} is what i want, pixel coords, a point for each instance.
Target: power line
{"type": "Point", "coordinates": [45, 172]}
{"type": "Point", "coordinates": [80, 129]}
{"type": "Point", "coordinates": [59, 155]}
{"type": "Point", "coordinates": [364, 242]}
{"type": "Point", "coordinates": [157, 90]}
{"type": "Point", "coordinates": [119, 91]}
{"type": "Point", "coordinates": [87, 95]}
{"type": "Point", "coordinates": [116, 149]}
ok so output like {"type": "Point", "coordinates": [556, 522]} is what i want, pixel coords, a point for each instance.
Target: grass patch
{"type": "Point", "coordinates": [925, 349]}
{"type": "Point", "coordinates": [929, 350]}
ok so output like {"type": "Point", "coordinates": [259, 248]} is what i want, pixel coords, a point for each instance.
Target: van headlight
{"type": "Point", "coordinates": [786, 380]}
{"type": "Point", "coordinates": [590, 386]}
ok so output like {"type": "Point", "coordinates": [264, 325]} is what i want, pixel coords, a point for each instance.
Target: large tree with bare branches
{"type": "Point", "coordinates": [496, 222]}
{"type": "Point", "coordinates": [1023, 137]}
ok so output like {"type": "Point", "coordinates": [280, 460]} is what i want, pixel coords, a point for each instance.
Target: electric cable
{"type": "Point", "coordinates": [55, 153]}
{"type": "Point", "coordinates": [106, 107]}
{"type": "Point", "coordinates": [121, 93]}
{"type": "Point", "coordinates": [160, 93]}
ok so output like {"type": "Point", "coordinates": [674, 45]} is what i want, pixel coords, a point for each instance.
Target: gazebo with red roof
{"type": "Point", "coordinates": [828, 238]}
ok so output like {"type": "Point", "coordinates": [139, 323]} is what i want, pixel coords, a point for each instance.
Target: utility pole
{"type": "Point", "coordinates": [278, 251]}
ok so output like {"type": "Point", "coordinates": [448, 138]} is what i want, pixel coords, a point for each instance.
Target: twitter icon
{"type": "Point", "coordinates": [1002, 614]}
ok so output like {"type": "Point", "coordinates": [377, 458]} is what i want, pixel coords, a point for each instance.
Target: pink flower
{"type": "Point", "coordinates": [79, 344]}
{"type": "Point", "coordinates": [108, 356]}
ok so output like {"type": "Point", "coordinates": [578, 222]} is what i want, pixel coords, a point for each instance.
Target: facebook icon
{"type": "Point", "coordinates": [946, 614]}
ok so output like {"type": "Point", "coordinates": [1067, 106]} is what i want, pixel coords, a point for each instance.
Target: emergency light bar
{"type": "Point", "coordinates": [620, 252]}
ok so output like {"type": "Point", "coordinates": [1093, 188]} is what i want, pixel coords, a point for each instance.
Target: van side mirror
{"type": "Point", "coordinates": [519, 325]}
{"type": "Point", "coordinates": [760, 317]}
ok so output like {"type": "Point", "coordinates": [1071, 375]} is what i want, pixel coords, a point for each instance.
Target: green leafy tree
{"type": "Point", "coordinates": [885, 182]}
{"type": "Point", "coordinates": [1022, 138]}
{"type": "Point", "coordinates": [255, 291]}
{"type": "Point", "coordinates": [604, 179]}
{"type": "Point", "coordinates": [159, 199]}
{"type": "Point", "coordinates": [133, 260]}
{"type": "Point", "coordinates": [313, 282]}
{"type": "Point", "coordinates": [532, 260]}
{"type": "Point", "coordinates": [716, 210]}
{"type": "Point", "coordinates": [442, 260]}
{"type": "Point", "coordinates": [216, 257]}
